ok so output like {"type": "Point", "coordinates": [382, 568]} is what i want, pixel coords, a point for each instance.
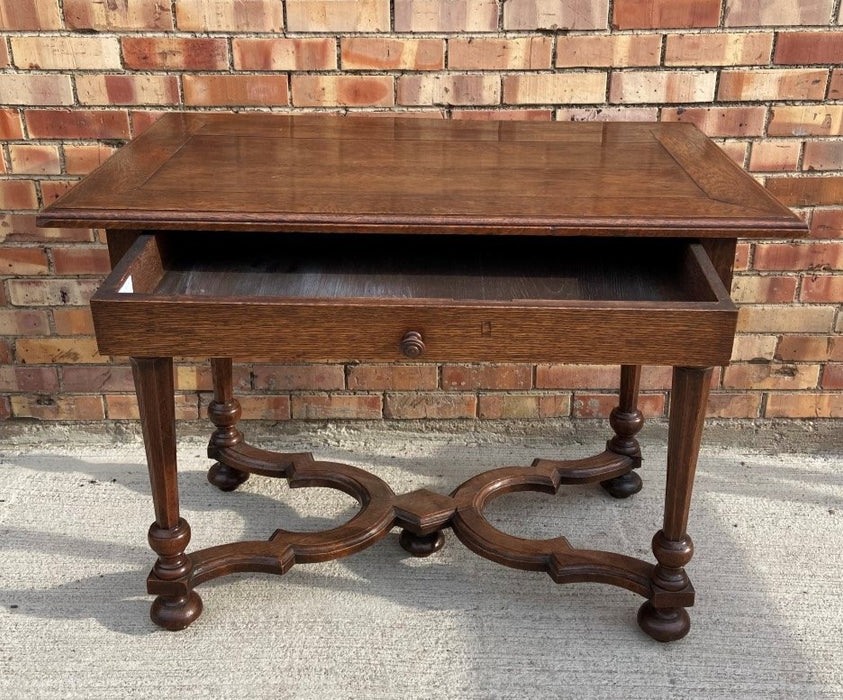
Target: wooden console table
{"type": "Point", "coordinates": [316, 238]}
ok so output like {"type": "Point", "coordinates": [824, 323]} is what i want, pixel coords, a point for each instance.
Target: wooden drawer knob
{"type": "Point", "coordinates": [412, 344]}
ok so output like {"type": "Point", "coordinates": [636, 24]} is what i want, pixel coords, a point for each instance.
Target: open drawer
{"type": "Point", "coordinates": [425, 298]}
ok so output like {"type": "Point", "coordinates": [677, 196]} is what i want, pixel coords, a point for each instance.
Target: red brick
{"type": "Point", "coordinates": [601, 405]}
{"type": "Point", "coordinates": [298, 377]}
{"type": "Point", "coordinates": [397, 377]}
{"type": "Point", "coordinates": [97, 379]}
{"type": "Point", "coordinates": [798, 256]}
{"type": "Point", "coordinates": [661, 14]}
{"type": "Point", "coordinates": [33, 159]}
{"type": "Point", "coordinates": [5, 408]}
{"type": "Point", "coordinates": [141, 121]}
{"type": "Point", "coordinates": [718, 49]}
{"type": "Point", "coordinates": [751, 85]}
{"type": "Point", "coordinates": [771, 376]}
{"type": "Point", "coordinates": [552, 14]}
{"type": "Point", "coordinates": [631, 87]}
{"type": "Point", "coordinates": [73, 321]}
{"type": "Point", "coordinates": [791, 405]}
{"type": "Point", "coordinates": [806, 191]}
{"type": "Point", "coordinates": [51, 190]}
{"type": "Point", "coordinates": [809, 48]}
{"type": "Point", "coordinates": [127, 89]}
{"type": "Point", "coordinates": [721, 121]}
{"type": "Point", "coordinates": [125, 407]}
{"type": "Point", "coordinates": [78, 124]}
{"type": "Point", "coordinates": [81, 261]}
{"type": "Point", "coordinates": [535, 115]}
{"type": "Point", "coordinates": [18, 194]}
{"type": "Point", "coordinates": [125, 14]}
{"type": "Point", "coordinates": [67, 408]}
{"type": "Point", "coordinates": [823, 288]}
{"type": "Point", "coordinates": [285, 54]}
{"type": "Point", "coordinates": [618, 51]}
{"type": "Point", "coordinates": [486, 376]}
{"type": "Point", "coordinates": [755, 13]}
{"type": "Point", "coordinates": [388, 54]}
{"type": "Point", "coordinates": [81, 160]}
{"type": "Point", "coordinates": [227, 16]}
{"type": "Point", "coordinates": [30, 14]}
{"type": "Point", "coordinates": [342, 90]}
{"type": "Point", "coordinates": [23, 322]}
{"type": "Point", "coordinates": [446, 15]}
{"type": "Point", "coordinates": [832, 378]}
{"type": "Point", "coordinates": [265, 407]}
{"type": "Point", "coordinates": [563, 88]}
{"type": "Point", "coordinates": [827, 223]}
{"type": "Point", "coordinates": [41, 379]}
{"type": "Point", "coordinates": [322, 406]}
{"type": "Point", "coordinates": [26, 89]}
{"type": "Point", "coordinates": [415, 405]}
{"type": "Point", "coordinates": [21, 227]}
{"type": "Point", "coordinates": [733, 405]}
{"type": "Point", "coordinates": [523, 406]}
{"type": "Point", "coordinates": [735, 150]}
{"type": "Point", "coordinates": [773, 155]}
{"type": "Point", "coordinates": [523, 53]}
{"type": "Point", "coordinates": [51, 292]}
{"type": "Point", "coordinates": [200, 378]}
{"type": "Point", "coordinates": [807, 348]}
{"type": "Point", "coordinates": [23, 261]}
{"type": "Point", "coordinates": [760, 290]}
{"type": "Point", "coordinates": [449, 89]}
{"type": "Point", "coordinates": [5, 60]}
{"type": "Point", "coordinates": [155, 53]}
{"type": "Point", "coordinates": [835, 85]}
{"type": "Point", "coordinates": [338, 15]}
{"type": "Point", "coordinates": [41, 351]}
{"type": "Point", "coordinates": [11, 126]}
{"type": "Point", "coordinates": [608, 114]}
{"type": "Point", "coordinates": [823, 155]}
{"type": "Point", "coordinates": [257, 90]}
{"type": "Point", "coordinates": [596, 377]}
{"type": "Point", "coordinates": [5, 352]}
{"type": "Point", "coordinates": [806, 120]}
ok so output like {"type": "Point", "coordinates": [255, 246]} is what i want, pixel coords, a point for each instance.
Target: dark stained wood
{"type": "Point", "coordinates": [318, 173]}
{"type": "Point", "coordinates": [224, 412]}
{"type": "Point", "coordinates": [626, 421]}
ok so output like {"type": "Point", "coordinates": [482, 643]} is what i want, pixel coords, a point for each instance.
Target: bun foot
{"type": "Point", "coordinates": [226, 478]}
{"type": "Point", "coordinates": [666, 625]}
{"type": "Point", "coordinates": [623, 486]}
{"type": "Point", "coordinates": [421, 545]}
{"type": "Point", "coordinates": [176, 613]}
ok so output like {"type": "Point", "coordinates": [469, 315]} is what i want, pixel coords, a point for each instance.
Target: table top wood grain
{"type": "Point", "coordinates": [325, 173]}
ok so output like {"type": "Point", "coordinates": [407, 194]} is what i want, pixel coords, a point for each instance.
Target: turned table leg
{"type": "Point", "coordinates": [672, 545]}
{"type": "Point", "coordinates": [224, 412]}
{"type": "Point", "coordinates": [169, 534]}
{"type": "Point", "coordinates": [626, 420]}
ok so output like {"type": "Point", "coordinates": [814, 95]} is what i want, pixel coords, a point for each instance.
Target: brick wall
{"type": "Point", "coordinates": [763, 77]}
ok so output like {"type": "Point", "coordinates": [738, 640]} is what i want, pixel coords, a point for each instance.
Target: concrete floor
{"type": "Point", "coordinates": [74, 614]}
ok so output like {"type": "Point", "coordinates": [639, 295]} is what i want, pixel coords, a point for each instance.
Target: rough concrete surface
{"type": "Point", "coordinates": [74, 614]}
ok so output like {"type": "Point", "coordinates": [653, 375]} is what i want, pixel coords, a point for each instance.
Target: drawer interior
{"type": "Point", "coordinates": [412, 267]}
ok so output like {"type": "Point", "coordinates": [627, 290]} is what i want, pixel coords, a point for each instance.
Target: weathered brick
{"type": "Point", "coordinates": [24, 89]}
{"type": "Point", "coordinates": [662, 14]}
{"type": "Point", "coordinates": [486, 376]}
{"type": "Point", "coordinates": [47, 351]}
{"type": "Point", "coordinates": [718, 49]}
{"type": "Point", "coordinates": [779, 154]}
{"type": "Point", "coordinates": [607, 114]}
{"type": "Point", "coordinates": [552, 376]}
{"type": "Point", "coordinates": [18, 194]}
{"type": "Point", "coordinates": [200, 378]}
{"type": "Point", "coordinates": [553, 14]}
{"type": "Point", "coordinates": [798, 256]}
{"type": "Point", "coordinates": [41, 379]}
{"type": "Point", "coordinates": [23, 322]}
{"type": "Point", "coordinates": [107, 15]}
{"type": "Point", "coordinates": [835, 85]}
{"type": "Point", "coordinates": [65, 52]}
{"type": "Point", "coordinates": [11, 126]}
{"type": "Point", "coordinates": [319, 406]}
{"type": "Point", "coordinates": [97, 379]}
{"type": "Point", "coordinates": [827, 223]}
{"type": "Point", "coordinates": [832, 377]}
{"type": "Point", "coordinates": [759, 290]}
{"type": "Point", "coordinates": [564, 88]}
{"type": "Point", "coordinates": [633, 87]}
{"type": "Point", "coordinates": [141, 121]}
{"type": "Point", "coordinates": [258, 90]}
{"type": "Point", "coordinates": [457, 89]}
{"type": "Point", "coordinates": [521, 115]}
{"type": "Point", "coordinates": [753, 348]}
{"type": "Point", "coordinates": [771, 376]}
{"type": "Point", "coordinates": [747, 85]}
{"type": "Point", "coordinates": [446, 15]}
{"type": "Point", "coordinates": [342, 90]}
{"type": "Point", "coordinates": [761, 13]}
{"type": "Point", "coordinates": [740, 404]}
{"type": "Point", "coordinates": [51, 190]}
{"type": "Point", "coordinates": [81, 261]}
{"type": "Point", "coordinates": [720, 121]}
{"type": "Point", "coordinates": [807, 348]}
{"type": "Point", "coordinates": [30, 14]}
{"type": "Point", "coordinates": [125, 407]}
{"type": "Point", "coordinates": [5, 59]}
{"type": "Point", "coordinates": [56, 407]}
{"type": "Point", "coordinates": [338, 15]}
{"type": "Point", "coordinates": [792, 405]}
{"type": "Point", "coordinates": [416, 405]}
{"type": "Point", "coordinates": [822, 288]}
{"type": "Point", "coordinates": [78, 124]}
{"type": "Point", "coordinates": [394, 377]}
{"type": "Point", "coordinates": [383, 53]}
{"type": "Point", "coordinates": [34, 159]}
{"type": "Point", "coordinates": [806, 120]}
{"type": "Point", "coordinates": [51, 292]}
{"type": "Point", "coordinates": [81, 160]}
{"type": "Point", "coordinates": [285, 54]}
{"type": "Point", "coordinates": [523, 406]}
{"type": "Point", "coordinates": [298, 377]}
{"type": "Point", "coordinates": [823, 155]}
{"type": "Point", "coordinates": [73, 321]}
{"type": "Point", "coordinates": [156, 53]}
{"type": "Point", "coordinates": [807, 191]}
{"type": "Point", "coordinates": [618, 51]}
{"type": "Point", "coordinates": [127, 89]}
{"type": "Point", "coordinates": [227, 16]}
{"type": "Point", "coordinates": [23, 261]}
{"type": "Point", "coordinates": [588, 405]}
{"type": "Point", "coordinates": [21, 227]}
{"type": "Point", "coordinates": [265, 407]}
{"type": "Point", "coordinates": [786, 319]}
{"type": "Point", "coordinates": [523, 53]}
{"type": "Point", "coordinates": [809, 48]}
